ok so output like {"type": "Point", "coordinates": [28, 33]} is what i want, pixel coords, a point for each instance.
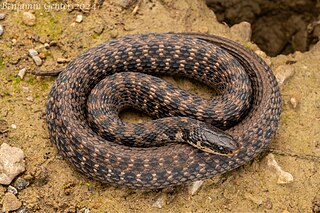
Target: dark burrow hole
{"type": "Point", "coordinates": [278, 27]}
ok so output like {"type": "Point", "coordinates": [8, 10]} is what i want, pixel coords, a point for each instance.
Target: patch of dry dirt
{"type": "Point", "coordinates": [56, 186]}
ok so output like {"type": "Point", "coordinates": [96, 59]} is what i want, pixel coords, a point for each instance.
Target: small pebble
{"type": "Point", "coordinates": [10, 202]}
{"type": "Point", "coordinates": [14, 41]}
{"type": "Point", "coordinates": [293, 102]}
{"type": "Point", "coordinates": [37, 60]}
{"type": "Point", "coordinates": [21, 183]}
{"type": "Point", "coordinates": [243, 29]}
{"type": "Point", "coordinates": [46, 45]}
{"type": "Point", "coordinates": [194, 187]}
{"type": "Point", "coordinates": [28, 19]}
{"type": "Point", "coordinates": [159, 203]}
{"type": "Point", "coordinates": [13, 126]}
{"type": "Point", "coordinates": [114, 33]}
{"type": "Point", "coordinates": [22, 73]}
{"type": "Point", "coordinates": [79, 18]}
{"type": "Point", "coordinates": [11, 163]}
{"type": "Point", "coordinates": [2, 16]}
{"type": "Point", "coordinates": [62, 60]}
{"type": "Point", "coordinates": [98, 29]}
{"type": "Point", "coordinates": [42, 56]}
{"type": "Point", "coordinates": [283, 176]}
{"type": "Point", "coordinates": [22, 209]}
{"type": "Point", "coordinates": [30, 98]}
{"type": "Point", "coordinates": [33, 52]}
{"type": "Point", "coordinates": [1, 30]}
{"type": "Point", "coordinates": [40, 176]}
{"type": "Point", "coordinates": [12, 190]}
{"type": "Point", "coordinates": [283, 73]}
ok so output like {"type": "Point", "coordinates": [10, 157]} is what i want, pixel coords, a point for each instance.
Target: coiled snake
{"type": "Point", "coordinates": [151, 155]}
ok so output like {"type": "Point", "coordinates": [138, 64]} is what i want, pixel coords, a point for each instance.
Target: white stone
{"type": "Point", "coordinates": [194, 187]}
{"type": "Point", "coordinates": [283, 73]}
{"type": "Point", "coordinates": [22, 73]}
{"type": "Point", "coordinates": [30, 98]}
{"type": "Point", "coordinates": [11, 163]}
{"type": "Point", "coordinates": [283, 176]}
{"type": "Point", "coordinates": [37, 60]}
{"type": "Point", "coordinates": [1, 30]}
{"type": "Point", "coordinates": [294, 102]}
{"type": "Point", "coordinates": [243, 29]}
{"type": "Point", "coordinates": [2, 16]}
{"type": "Point", "coordinates": [33, 52]}
{"type": "Point", "coordinates": [159, 202]}
{"type": "Point", "coordinates": [28, 19]}
{"type": "Point", "coordinates": [79, 18]}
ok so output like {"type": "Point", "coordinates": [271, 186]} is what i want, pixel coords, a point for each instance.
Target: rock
{"type": "Point", "coordinates": [29, 19]}
{"type": "Point", "coordinates": [283, 177]}
{"type": "Point", "coordinates": [14, 41]}
{"type": "Point", "coordinates": [33, 52]}
{"type": "Point", "coordinates": [243, 29]}
{"type": "Point", "coordinates": [46, 45]}
{"type": "Point", "coordinates": [30, 98]}
{"type": "Point", "coordinates": [1, 30]}
{"type": "Point", "coordinates": [2, 16]}
{"type": "Point", "coordinates": [23, 209]}
{"type": "Point", "coordinates": [194, 188]}
{"type": "Point", "coordinates": [22, 73]}
{"type": "Point", "coordinates": [11, 163]}
{"type": "Point", "coordinates": [79, 18]}
{"type": "Point", "coordinates": [12, 190]}
{"type": "Point", "coordinates": [37, 60]}
{"type": "Point", "coordinates": [114, 33]}
{"type": "Point", "coordinates": [13, 126]}
{"type": "Point", "coordinates": [283, 73]}
{"type": "Point", "coordinates": [40, 176]}
{"type": "Point", "coordinates": [159, 203]}
{"type": "Point", "coordinates": [21, 183]}
{"type": "Point", "coordinates": [10, 202]}
{"type": "Point", "coordinates": [98, 29]}
{"type": "Point", "coordinates": [42, 56]}
{"type": "Point", "coordinates": [293, 102]}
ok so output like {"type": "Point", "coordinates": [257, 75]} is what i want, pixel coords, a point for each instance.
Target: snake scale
{"type": "Point", "coordinates": [83, 121]}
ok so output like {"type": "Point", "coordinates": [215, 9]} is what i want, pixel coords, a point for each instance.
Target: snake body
{"type": "Point", "coordinates": [82, 113]}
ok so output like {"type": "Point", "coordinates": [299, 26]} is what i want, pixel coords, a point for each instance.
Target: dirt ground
{"type": "Point", "coordinates": [57, 187]}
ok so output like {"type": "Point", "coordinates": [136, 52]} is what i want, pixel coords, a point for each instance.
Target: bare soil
{"type": "Point", "coordinates": [57, 187]}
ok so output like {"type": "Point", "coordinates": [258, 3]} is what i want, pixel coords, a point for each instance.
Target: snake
{"type": "Point", "coordinates": [189, 138]}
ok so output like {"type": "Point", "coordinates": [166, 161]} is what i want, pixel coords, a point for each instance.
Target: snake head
{"type": "Point", "coordinates": [215, 141]}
